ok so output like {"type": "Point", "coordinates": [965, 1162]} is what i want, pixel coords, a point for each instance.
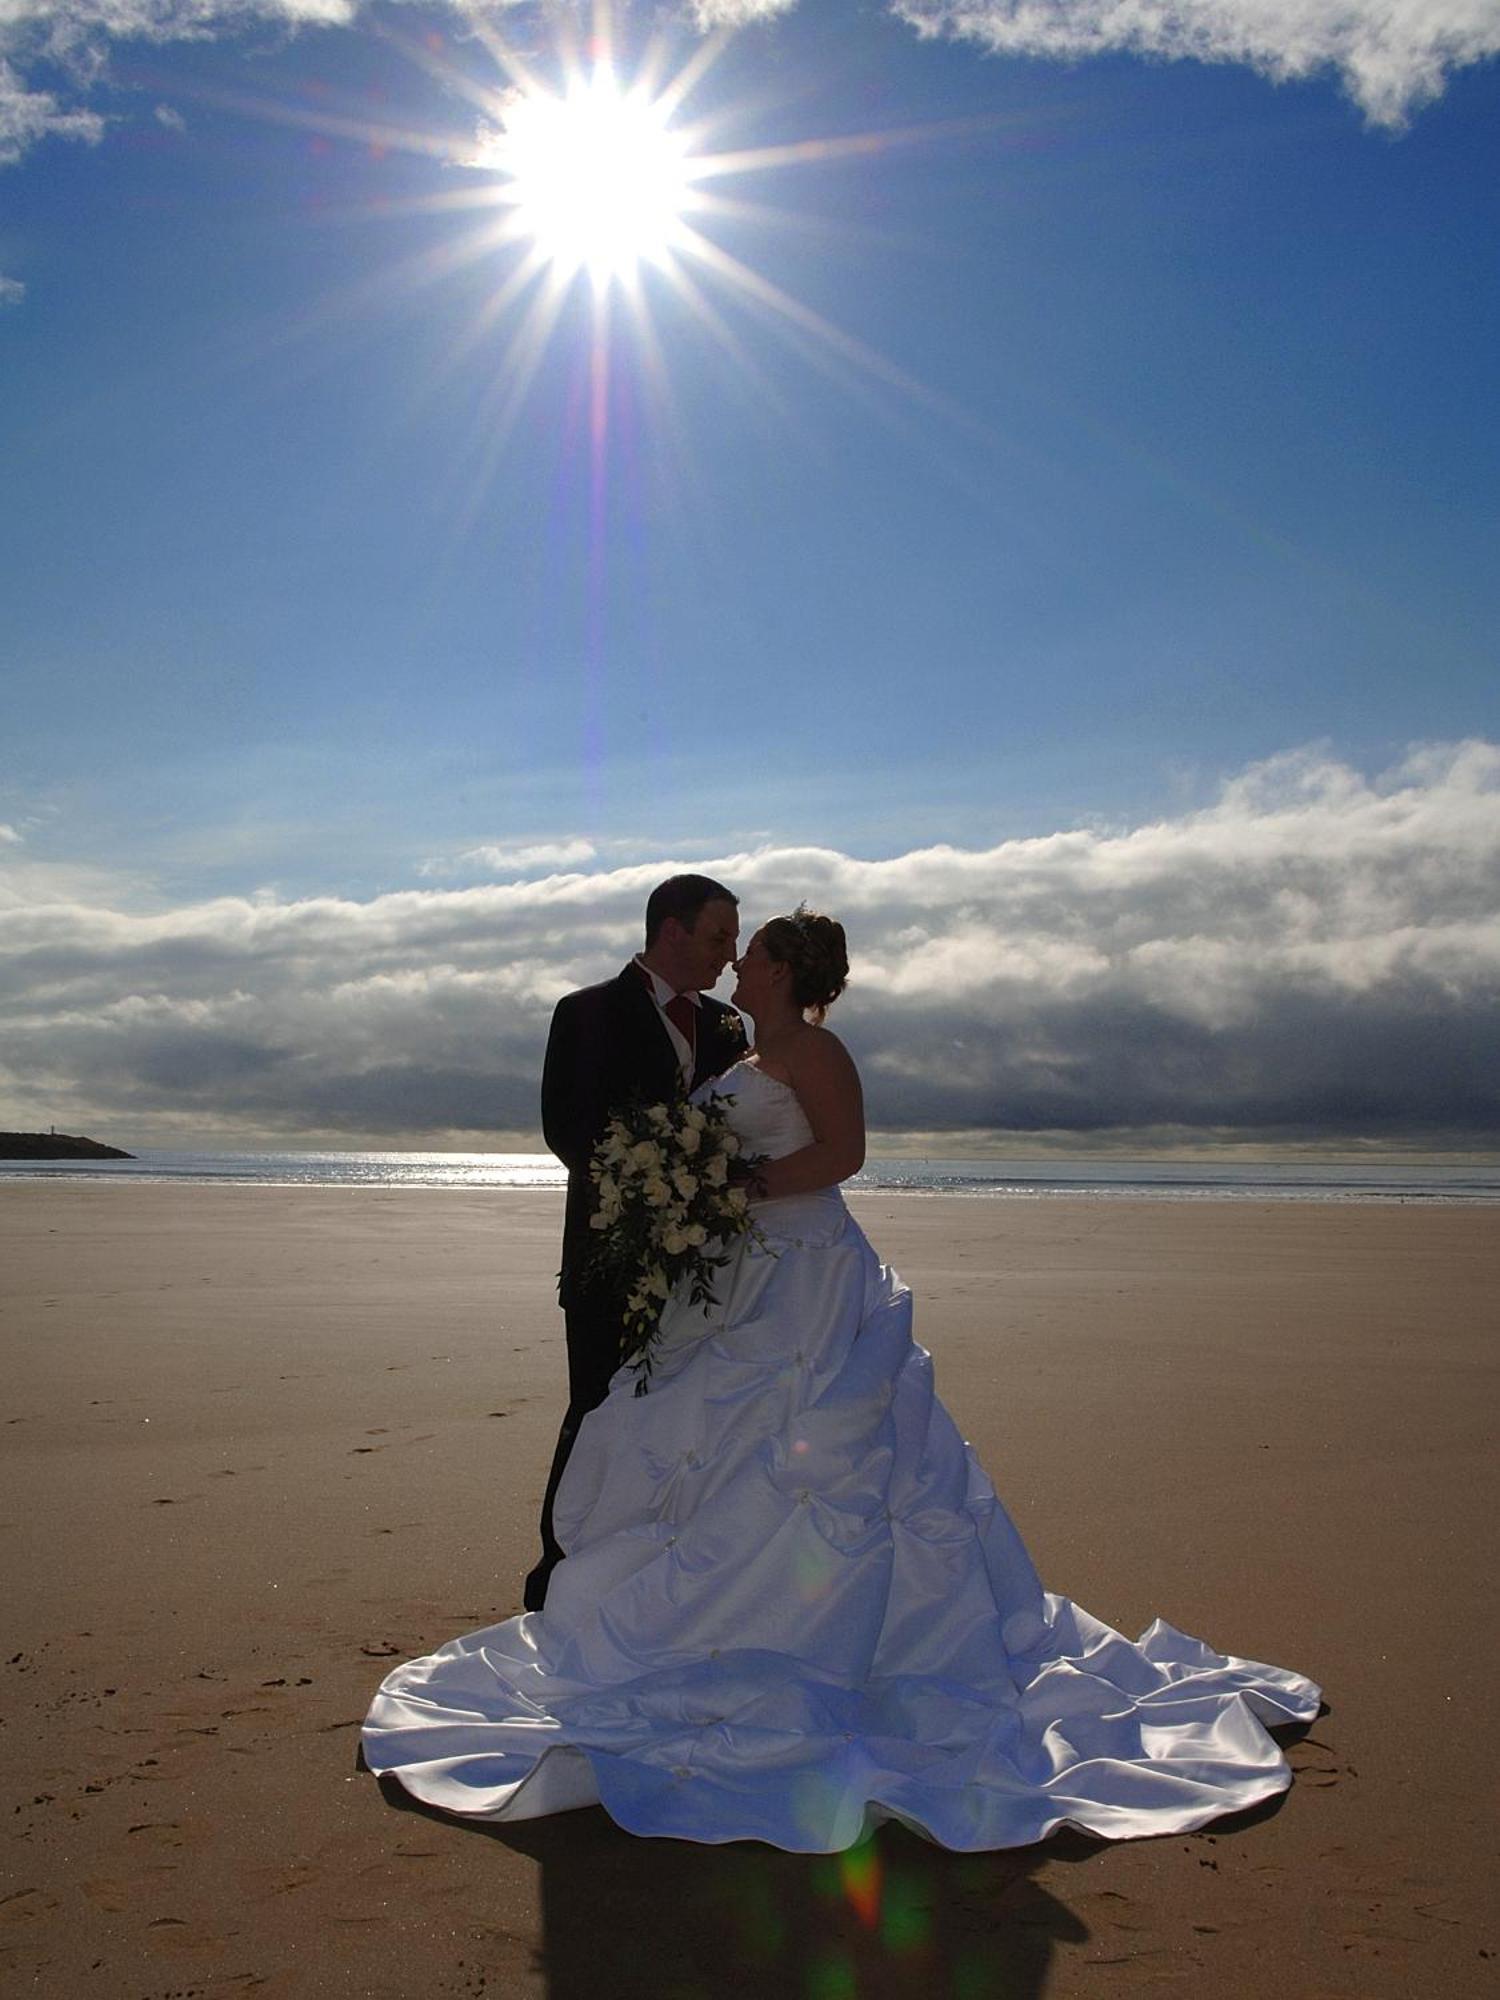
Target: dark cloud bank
{"type": "Point", "coordinates": [1315, 957]}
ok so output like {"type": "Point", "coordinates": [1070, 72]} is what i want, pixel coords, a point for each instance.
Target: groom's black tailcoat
{"type": "Point", "coordinates": [608, 1046]}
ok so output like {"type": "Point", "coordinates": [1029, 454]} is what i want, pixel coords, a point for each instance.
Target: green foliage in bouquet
{"type": "Point", "coordinates": [667, 1208]}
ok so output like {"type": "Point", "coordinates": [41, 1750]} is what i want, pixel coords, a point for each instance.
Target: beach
{"type": "Point", "coordinates": [261, 1442]}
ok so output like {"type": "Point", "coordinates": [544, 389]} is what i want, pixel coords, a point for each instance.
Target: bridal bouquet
{"type": "Point", "coordinates": [667, 1207]}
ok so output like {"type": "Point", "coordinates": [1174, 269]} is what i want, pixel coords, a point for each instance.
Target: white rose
{"type": "Point", "coordinates": [715, 1172]}
{"type": "Point", "coordinates": [697, 1121]}
{"type": "Point", "coordinates": [729, 1144]}
{"type": "Point", "coordinates": [674, 1242]}
{"type": "Point", "coordinates": [690, 1139]}
{"type": "Point", "coordinates": [685, 1183]}
{"type": "Point", "coordinates": [738, 1200]}
{"type": "Point", "coordinates": [645, 1153]}
{"type": "Point", "coordinates": [600, 1220]}
{"type": "Point", "coordinates": [696, 1235]}
{"type": "Point", "coordinates": [660, 1116]}
{"type": "Point", "coordinates": [657, 1192]}
{"type": "Point", "coordinates": [655, 1282]}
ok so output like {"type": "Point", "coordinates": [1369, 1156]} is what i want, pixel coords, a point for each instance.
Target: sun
{"type": "Point", "coordinates": [596, 177]}
{"type": "Point", "coordinates": [591, 171]}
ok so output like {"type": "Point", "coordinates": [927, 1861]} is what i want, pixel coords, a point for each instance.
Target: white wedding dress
{"type": "Point", "coordinates": [792, 1605]}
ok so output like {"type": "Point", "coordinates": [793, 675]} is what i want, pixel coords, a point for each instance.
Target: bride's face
{"type": "Point", "coordinates": [756, 972]}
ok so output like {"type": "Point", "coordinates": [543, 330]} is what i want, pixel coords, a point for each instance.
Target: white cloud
{"type": "Point", "coordinates": [9, 836]}
{"type": "Point", "coordinates": [172, 119]}
{"type": "Point", "coordinates": [77, 36]}
{"type": "Point", "coordinates": [27, 115]}
{"type": "Point", "coordinates": [738, 13]}
{"type": "Point", "coordinates": [1393, 56]}
{"type": "Point", "coordinates": [523, 858]}
{"type": "Point", "coordinates": [12, 291]}
{"type": "Point", "coordinates": [1314, 955]}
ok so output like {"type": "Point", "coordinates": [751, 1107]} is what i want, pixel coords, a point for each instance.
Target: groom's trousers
{"type": "Point", "coordinates": [594, 1342]}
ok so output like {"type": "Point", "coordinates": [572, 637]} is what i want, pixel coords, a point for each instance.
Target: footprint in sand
{"type": "Point", "coordinates": [1116, 1910]}
{"type": "Point", "coordinates": [281, 1882]}
{"type": "Point", "coordinates": [1314, 1763]}
{"type": "Point", "coordinates": [114, 1893]}
{"type": "Point", "coordinates": [177, 1934]}
{"type": "Point", "coordinates": [23, 1906]}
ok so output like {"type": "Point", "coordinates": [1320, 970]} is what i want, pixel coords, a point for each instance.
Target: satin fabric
{"type": "Point", "coordinates": [792, 1605]}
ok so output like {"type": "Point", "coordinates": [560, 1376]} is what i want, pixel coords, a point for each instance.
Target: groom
{"type": "Point", "coordinates": [649, 1033]}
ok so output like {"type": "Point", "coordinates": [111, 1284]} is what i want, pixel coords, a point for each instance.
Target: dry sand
{"type": "Point", "coordinates": [259, 1441]}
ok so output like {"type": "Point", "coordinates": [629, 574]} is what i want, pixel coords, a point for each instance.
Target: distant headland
{"type": "Point", "coordinates": [55, 1146]}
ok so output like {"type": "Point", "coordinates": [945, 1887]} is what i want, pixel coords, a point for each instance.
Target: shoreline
{"type": "Point", "coordinates": [1186, 1190]}
{"type": "Point", "coordinates": [259, 1449]}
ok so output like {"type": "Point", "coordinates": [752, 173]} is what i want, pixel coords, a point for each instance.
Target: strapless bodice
{"type": "Point", "coordinates": [765, 1113]}
{"type": "Point", "coordinates": [766, 1116]}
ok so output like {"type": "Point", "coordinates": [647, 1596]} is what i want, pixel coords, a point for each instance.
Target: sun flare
{"type": "Point", "coordinates": [597, 178]}
{"type": "Point", "coordinates": [585, 165]}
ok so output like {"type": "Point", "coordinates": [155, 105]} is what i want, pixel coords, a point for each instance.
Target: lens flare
{"type": "Point", "coordinates": [601, 205]}
{"type": "Point", "coordinates": [860, 1872]}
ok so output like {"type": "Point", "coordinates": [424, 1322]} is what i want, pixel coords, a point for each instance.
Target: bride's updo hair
{"type": "Point", "coordinates": [813, 946]}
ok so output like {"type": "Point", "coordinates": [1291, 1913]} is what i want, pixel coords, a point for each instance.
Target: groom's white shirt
{"type": "Point", "coordinates": [661, 993]}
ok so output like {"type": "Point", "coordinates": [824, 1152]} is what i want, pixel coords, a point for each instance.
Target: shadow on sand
{"type": "Point", "coordinates": [631, 1919]}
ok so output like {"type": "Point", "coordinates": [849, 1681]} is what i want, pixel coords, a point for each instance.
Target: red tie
{"type": "Point", "coordinates": [683, 1015]}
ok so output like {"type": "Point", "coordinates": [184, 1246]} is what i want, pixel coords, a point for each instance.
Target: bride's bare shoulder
{"type": "Point", "coordinates": [818, 1052]}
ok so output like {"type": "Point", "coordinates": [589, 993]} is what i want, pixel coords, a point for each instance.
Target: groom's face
{"type": "Point", "coordinates": [710, 944]}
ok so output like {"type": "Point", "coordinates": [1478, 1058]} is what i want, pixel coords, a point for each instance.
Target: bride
{"type": "Point", "coordinates": [791, 1604]}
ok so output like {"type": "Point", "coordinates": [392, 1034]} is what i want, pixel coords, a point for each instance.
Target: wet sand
{"type": "Point", "coordinates": [261, 1441]}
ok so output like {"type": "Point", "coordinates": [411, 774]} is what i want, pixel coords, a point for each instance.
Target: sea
{"type": "Point", "coordinates": [981, 1179]}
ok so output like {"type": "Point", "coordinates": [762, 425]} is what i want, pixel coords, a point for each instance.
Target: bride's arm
{"type": "Point", "coordinates": [827, 1086]}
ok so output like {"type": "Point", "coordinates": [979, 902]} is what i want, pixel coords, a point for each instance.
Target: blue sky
{"type": "Point", "coordinates": [1153, 438]}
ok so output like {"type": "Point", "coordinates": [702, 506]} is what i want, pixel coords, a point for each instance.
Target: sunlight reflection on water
{"type": "Point", "coordinates": [1136, 1180]}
